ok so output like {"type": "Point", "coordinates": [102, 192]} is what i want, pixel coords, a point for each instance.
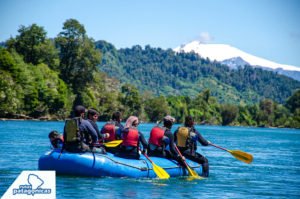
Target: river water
{"type": "Point", "coordinates": [274, 173]}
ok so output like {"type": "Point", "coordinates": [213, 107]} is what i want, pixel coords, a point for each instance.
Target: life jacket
{"type": "Point", "coordinates": [71, 131]}
{"type": "Point", "coordinates": [156, 136]}
{"type": "Point", "coordinates": [73, 138]}
{"type": "Point", "coordinates": [130, 138]}
{"type": "Point", "coordinates": [111, 130]}
{"type": "Point", "coordinates": [183, 136]}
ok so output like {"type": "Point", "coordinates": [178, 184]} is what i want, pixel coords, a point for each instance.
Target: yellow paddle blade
{"type": "Point", "coordinates": [114, 143]}
{"type": "Point", "coordinates": [160, 172]}
{"type": "Point", "coordinates": [242, 156]}
{"type": "Point", "coordinates": [193, 174]}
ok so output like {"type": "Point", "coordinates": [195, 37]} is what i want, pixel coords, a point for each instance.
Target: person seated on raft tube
{"type": "Point", "coordinates": [92, 117]}
{"type": "Point", "coordinates": [114, 129]}
{"type": "Point", "coordinates": [80, 135]}
{"type": "Point", "coordinates": [186, 138]}
{"type": "Point", "coordinates": [131, 140]}
{"type": "Point", "coordinates": [161, 138]}
{"type": "Point", "coordinates": [56, 139]}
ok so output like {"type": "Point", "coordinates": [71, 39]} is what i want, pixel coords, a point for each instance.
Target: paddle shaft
{"type": "Point", "coordinates": [187, 166]}
{"type": "Point", "coordinates": [218, 147]}
{"type": "Point", "coordinates": [147, 157]}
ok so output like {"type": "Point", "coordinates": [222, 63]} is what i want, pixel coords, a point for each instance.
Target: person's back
{"type": "Point", "coordinates": [113, 127]}
{"type": "Point", "coordinates": [131, 138]}
{"type": "Point", "coordinates": [157, 142]}
{"type": "Point", "coordinates": [79, 134]}
{"type": "Point", "coordinates": [162, 138]}
{"type": "Point", "coordinates": [186, 138]}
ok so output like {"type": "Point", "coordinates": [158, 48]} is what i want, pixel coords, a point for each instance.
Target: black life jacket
{"type": "Point", "coordinates": [73, 138]}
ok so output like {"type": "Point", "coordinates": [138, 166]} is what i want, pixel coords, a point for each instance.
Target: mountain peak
{"type": "Point", "coordinates": [235, 62]}
{"type": "Point", "coordinates": [222, 52]}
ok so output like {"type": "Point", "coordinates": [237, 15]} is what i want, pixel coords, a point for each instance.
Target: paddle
{"type": "Point", "coordinates": [240, 155]}
{"type": "Point", "coordinates": [113, 143]}
{"type": "Point", "coordinates": [192, 173]}
{"type": "Point", "coordinates": [160, 172]}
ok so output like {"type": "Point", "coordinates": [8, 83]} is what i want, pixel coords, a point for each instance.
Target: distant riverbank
{"type": "Point", "coordinates": [200, 124]}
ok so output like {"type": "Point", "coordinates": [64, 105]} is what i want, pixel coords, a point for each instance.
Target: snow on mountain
{"type": "Point", "coordinates": [235, 62]}
{"type": "Point", "coordinates": [221, 52]}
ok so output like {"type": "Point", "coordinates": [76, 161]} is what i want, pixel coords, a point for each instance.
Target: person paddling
{"type": "Point", "coordinates": [131, 140]}
{"type": "Point", "coordinates": [113, 127]}
{"type": "Point", "coordinates": [186, 138]}
{"type": "Point", "coordinates": [161, 138]}
{"type": "Point", "coordinates": [92, 117]}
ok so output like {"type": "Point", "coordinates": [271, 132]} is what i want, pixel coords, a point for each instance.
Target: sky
{"type": "Point", "coordinates": [266, 28]}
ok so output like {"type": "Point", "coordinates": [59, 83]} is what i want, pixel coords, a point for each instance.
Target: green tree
{"type": "Point", "coordinates": [294, 101]}
{"type": "Point", "coordinates": [156, 108]}
{"type": "Point", "coordinates": [179, 107]}
{"type": "Point", "coordinates": [33, 45]}
{"type": "Point", "coordinates": [131, 100]}
{"type": "Point", "coordinates": [229, 113]}
{"type": "Point", "coordinates": [79, 58]}
{"type": "Point", "coordinates": [266, 113]}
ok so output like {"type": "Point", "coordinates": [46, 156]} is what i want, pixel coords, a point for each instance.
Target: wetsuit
{"type": "Point", "coordinates": [190, 150]}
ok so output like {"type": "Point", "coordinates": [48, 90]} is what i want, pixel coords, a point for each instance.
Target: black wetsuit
{"type": "Point", "coordinates": [190, 151]}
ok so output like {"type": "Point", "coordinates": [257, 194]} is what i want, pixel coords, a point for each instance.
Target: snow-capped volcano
{"type": "Point", "coordinates": [221, 52]}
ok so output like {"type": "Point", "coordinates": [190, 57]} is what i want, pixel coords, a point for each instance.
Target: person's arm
{"type": "Point", "coordinates": [96, 128]}
{"type": "Point", "coordinates": [200, 138]}
{"type": "Point", "coordinates": [91, 131]}
{"type": "Point", "coordinates": [169, 134]}
{"type": "Point", "coordinates": [143, 141]}
{"type": "Point", "coordinates": [175, 136]}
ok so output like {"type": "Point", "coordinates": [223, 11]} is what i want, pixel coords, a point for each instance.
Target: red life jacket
{"type": "Point", "coordinates": [110, 129]}
{"type": "Point", "coordinates": [130, 138]}
{"type": "Point", "coordinates": [156, 136]}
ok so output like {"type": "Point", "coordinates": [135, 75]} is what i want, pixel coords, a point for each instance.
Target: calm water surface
{"type": "Point", "coordinates": [274, 173]}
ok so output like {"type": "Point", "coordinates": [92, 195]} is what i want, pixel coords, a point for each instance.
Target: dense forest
{"type": "Point", "coordinates": [164, 72]}
{"type": "Point", "coordinates": [45, 78]}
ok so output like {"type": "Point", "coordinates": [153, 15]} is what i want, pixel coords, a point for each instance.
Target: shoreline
{"type": "Point", "coordinates": [62, 120]}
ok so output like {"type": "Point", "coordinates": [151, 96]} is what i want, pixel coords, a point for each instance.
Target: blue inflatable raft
{"type": "Point", "coordinates": [98, 165]}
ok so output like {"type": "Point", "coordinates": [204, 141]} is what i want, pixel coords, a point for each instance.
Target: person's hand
{"type": "Point", "coordinates": [183, 158]}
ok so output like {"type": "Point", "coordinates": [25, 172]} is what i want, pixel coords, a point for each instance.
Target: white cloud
{"type": "Point", "coordinates": [205, 37]}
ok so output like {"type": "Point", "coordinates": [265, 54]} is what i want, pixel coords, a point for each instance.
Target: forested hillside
{"type": "Point", "coordinates": [165, 72]}
{"type": "Point", "coordinates": [45, 78]}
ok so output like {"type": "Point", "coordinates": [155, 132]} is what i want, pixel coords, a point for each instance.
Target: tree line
{"type": "Point", "coordinates": [45, 78]}
{"type": "Point", "coordinates": [165, 72]}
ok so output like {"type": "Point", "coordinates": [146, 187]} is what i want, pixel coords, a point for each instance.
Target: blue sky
{"type": "Point", "coordinates": [266, 28]}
